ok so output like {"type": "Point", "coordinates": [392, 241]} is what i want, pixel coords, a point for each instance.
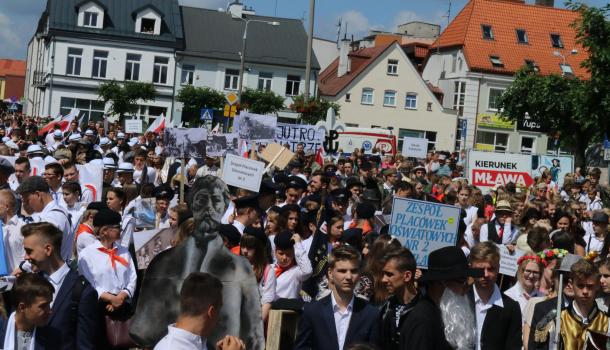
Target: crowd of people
{"type": "Point", "coordinates": [317, 239]}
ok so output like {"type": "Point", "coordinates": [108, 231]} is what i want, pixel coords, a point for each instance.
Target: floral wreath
{"type": "Point", "coordinates": [535, 258]}
{"type": "Point", "coordinates": [549, 254]}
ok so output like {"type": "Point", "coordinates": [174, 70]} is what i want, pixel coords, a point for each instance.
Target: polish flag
{"type": "Point", "coordinates": [64, 122]}
{"type": "Point", "coordinates": [244, 148]}
{"type": "Point", "coordinates": [158, 125]}
{"type": "Point", "coordinates": [320, 156]}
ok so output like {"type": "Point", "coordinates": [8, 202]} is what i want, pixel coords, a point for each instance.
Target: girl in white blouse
{"type": "Point", "coordinates": [254, 247]}
{"type": "Point", "coordinates": [107, 265]}
{"type": "Point", "coordinates": [116, 199]}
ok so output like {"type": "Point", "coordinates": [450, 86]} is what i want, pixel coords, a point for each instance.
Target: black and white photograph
{"type": "Point", "coordinates": [158, 243]}
{"type": "Point", "coordinates": [255, 127]}
{"type": "Point", "coordinates": [221, 144]}
{"type": "Point", "coordinates": [185, 142]}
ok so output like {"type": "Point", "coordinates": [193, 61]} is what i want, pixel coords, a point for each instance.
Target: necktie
{"type": "Point", "coordinates": [113, 257]}
{"type": "Point", "coordinates": [501, 233]}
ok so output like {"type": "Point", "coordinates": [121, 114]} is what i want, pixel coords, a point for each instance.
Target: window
{"type": "Point", "coordinates": [492, 102]}
{"type": "Point", "coordinates": [188, 71]}
{"type": "Point", "coordinates": [411, 101]}
{"type": "Point", "coordinates": [556, 41]}
{"type": "Point", "coordinates": [492, 141]}
{"type": "Point", "coordinates": [528, 144]}
{"type": "Point", "coordinates": [293, 84]}
{"type": "Point", "coordinates": [496, 61]}
{"type": "Point", "coordinates": [150, 112]}
{"type": "Point", "coordinates": [393, 67]}
{"type": "Point", "coordinates": [348, 97]}
{"type": "Point", "coordinates": [90, 19]}
{"type": "Point", "coordinates": [533, 65]}
{"type": "Point", "coordinates": [367, 96]}
{"type": "Point", "coordinates": [132, 68]}
{"type": "Point", "coordinates": [389, 98]}
{"type": "Point", "coordinates": [75, 57]}
{"type": "Point", "coordinates": [453, 62]}
{"type": "Point", "coordinates": [147, 25]}
{"type": "Point", "coordinates": [100, 62]}
{"type": "Point", "coordinates": [460, 133]}
{"type": "Point", "coordinates": [487, 32]}
{"type": "Point", "coordinates": [231, 79]}
{"type": "Point", "coordinates": [429, 107]}
{"type": "Point", "coordinates": [264, 81]}
{"type": "Point", "coordinates": [522, 36]}
{"type": "Point", "coordinates": [89, 109]}
{"type": "Point", "coordinates": [459, 95]}
{"type": "Point", "coordinates": [160, 70]}
{"type": "Point", "coordinates": [566, 69]}
{"type": "Point", "coordinates": [422, 134]}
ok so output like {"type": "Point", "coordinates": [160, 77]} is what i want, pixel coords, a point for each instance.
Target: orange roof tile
{"type": "Point", "coordinates": [12, 67]}
{"type": "Point", "coordinates": [505, 17]}
{"type": "Point", "coordinates": [330, 84]}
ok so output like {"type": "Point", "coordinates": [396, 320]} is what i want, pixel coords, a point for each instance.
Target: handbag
{"type": "Point", "coordinates": [117, 329]}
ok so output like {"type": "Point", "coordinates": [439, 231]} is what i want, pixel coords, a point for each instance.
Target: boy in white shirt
{"type": "Point", "coordinates": [292, 265]}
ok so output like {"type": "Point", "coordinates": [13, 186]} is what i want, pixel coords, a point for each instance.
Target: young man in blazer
{"type": "Point", "coordinates": [498, 317]}
{"type": "Point", "coordinates": [339, 319]}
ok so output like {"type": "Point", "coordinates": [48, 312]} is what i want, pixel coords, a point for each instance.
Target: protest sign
{"type": "Point", "coordinates": [242, 172]}
{"type": "Point", "coordinates": [414, 147]}
{"type": "Point", "coordinates": [150, 243]}
{"type": "Point", "coordinates": [255, 127]}
{"type": "Point", "coordinates": [218, 145]}
{"type": "Point", "coordinates": [185, 142]}
{"type": "Point", "coordinates": [487, 169]}
{"type": "Point", "coordinates": [133, 126]}
{"type": "Point", "coordinates": [508, 261]}
{"type": "Point", "coordinates": [311, 136]}
{"type": "Point", "coordinates": [558, 167]}
{"type": "Point", "coordinates": [424, 227]}
{"type": "Point", "coordinates": [277, 155]}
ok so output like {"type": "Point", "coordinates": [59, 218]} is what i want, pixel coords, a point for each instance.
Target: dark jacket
{"type": "Point", "coordinates": [317, 326]}
{"type": "Point", "coordinates": [390, 332]}
{"type": "Point", "coordinates": [502, 327]}
{"type": "Point", "coordinates": [423, 329]}
{"type": "Point", "coordinates": [73, 326]}
{"type": "Point", "coordinates": [543, 314]}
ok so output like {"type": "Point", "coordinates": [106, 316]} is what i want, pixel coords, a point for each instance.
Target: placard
{"type": "Point", "coordinates": [150, 243]}
{"type": "Point", "coordinates": [424, 227]}
{"type": "Point", "coordinates": [187, 142]}
{"type": "Point", "coordinates": [558, 167]}
{"type": "Point", "coordinates": [311, 136]}
{"type": "Point", "coordinates": [508, 261]}
{"type": "Point", "coordinates": [414, 147]}
{"type": "Point", "coordinates": [270, 154]}
{"type": "Point", "coordinates": [487, 169]}
{"type": "Point", "coordinates": [133, 126]}
{"type": "Point", "coordinates": [242, 172]}
{"type": "Point", "coordinates": [255, 127]}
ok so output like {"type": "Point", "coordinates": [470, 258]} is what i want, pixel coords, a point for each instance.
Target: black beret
{"type": "Point", "coordinates": [257, 233]}
{"type": "Point", "coordinates": [247, 202]}
{"type": "Point", "coordinates": [33, 184]}
{"type": "Point", "coordinates": [365, 210]}
{"type": "Point", "coordinates": [97, 206]}
{"type": "Point", "coordinates": [313, 198]}
{"type": "Point", "coordinates": [230, 233]}
{"type": "Point", "coordinates": [371, 194]}
{"type": "Point", "coordinates": [106, 217]}
{"type": "Point", "coordinates": [297, 183]}
{"type": "Point", "coordinates": [6, 167]}
{"type": "Point", "coordinates": [366, 166]}
{"type": "Point", "coordinates": [164, 192]}
{"type": "Point", "coordinates": [296, 163]}
{"type": "Point", "coordinates": [353, 237]}
{"type": "Point", "coordinates": [268, 187]}
{"type": "Point", "coordinates": [283, 240]}
{"type": "Point", "coordinates": [340, 195]}
{"type": "Point", "coordinates": [290, 207]}
{"type": "Point", "coordinates": [280, 178]}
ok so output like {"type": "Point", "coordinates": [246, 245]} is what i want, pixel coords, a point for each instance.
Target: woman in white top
{"type": "Point", "coordinates": [108, 266]}
{"type": "Point", "coordinates": [253, 246]}
{"type": "Point", "coordinates": [72, 193]}
{"type": "Point", "coordinates": [528, 277]}
{"type": "Point", "coordinates": [116, 199]}
{"type": "Point", "coordinates": [465, 202]}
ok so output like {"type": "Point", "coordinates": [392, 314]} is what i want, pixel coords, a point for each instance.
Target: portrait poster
{"type": "Point", "coordinates": [187, 142]}
{"type": "Point", "coordinates": [255, 127]}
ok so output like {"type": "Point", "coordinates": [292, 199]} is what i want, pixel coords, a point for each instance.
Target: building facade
{"type": "Point", "coordinates": [12, 79]}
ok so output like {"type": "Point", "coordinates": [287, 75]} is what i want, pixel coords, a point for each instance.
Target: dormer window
{"type": "Point", "coordinates": [496, 61]}
{"type": "Point", "coordinates": [90, 19]}
{"type": "Point", "coordinates": [147, 26]}
{"type": "Point", "coordinates": [148, 20]}
{"type": "Point", "coordinates": [556, 41]}
{"type": "Point", "coordinates": [91, 14]}
{"type": "Point", "coordinates": [487, 32]}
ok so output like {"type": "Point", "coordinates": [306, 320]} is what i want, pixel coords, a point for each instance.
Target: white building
{"type": "Point", "coordinates": [79, 45]}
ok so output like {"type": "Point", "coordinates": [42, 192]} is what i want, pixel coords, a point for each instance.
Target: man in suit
{"type": "Point", "coordinates": [76, 318]}
{"type": "Point", "coordinates": [340, 319]}
{"type": "Point", "coordinates": [498, 317]}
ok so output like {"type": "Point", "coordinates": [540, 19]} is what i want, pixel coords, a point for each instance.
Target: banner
{"type": "Point", "coordinates": [221, 144]}
{"type": "Point", "coordinates": [292, 134]}
{"type": "Point", "coordinates": [187, 142]}
{"type": "Point", "coordinates": [242, 172]}
{"type": "Point", "coordinates": [133, 126]}
{"type": "Point", "coordinates": [145, 213]}
{"type": "Point", "coordinates": [255, 127]}
{"type": "Point", "coordinates": [558, 167]}
{"type": "Point", "coordinates": [487, 169]}
{"type": "Point", "coordinates": [492, 120]}
{"type": "Point", "coordinates": [92, 177]}
{"type": "Point", "coordinates": [424, 227]}
{"type": "Point", "coordinates": [415, 147]}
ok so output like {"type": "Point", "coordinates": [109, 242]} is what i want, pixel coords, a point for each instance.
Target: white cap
{"type": "Point", "coordinates": [120, 135]}
{"type": "Point", "coordinates": [109, 163]}
{"type": "Point", "coordinates": [75, 137]}
{"type": "Point", "coordinates": [89, 132]}
{"type": "Point", "coordinates": [49, 160]}
{"type": "Point", "coordinates": [125, 168]}
{"type": "Point", "coordinates": [58, 134]}
{"type": "Point", "coordinates": [104, 141]}
{"type": "Point", "coordinates": [133, 141]}
{"type": "Point", "coordinates": [96, 162]}
{"type": "Point", "coordinates": [34, 149]}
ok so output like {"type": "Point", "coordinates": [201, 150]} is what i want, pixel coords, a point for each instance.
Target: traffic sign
{"type": "Point", "coordinates": [13, 107]}
{"type": "Point", "coordinates": [231, 98]}
{"type": "Point", "coordinates": [206, 114]}
{"type": "Point", "coordinates": [230, 111]}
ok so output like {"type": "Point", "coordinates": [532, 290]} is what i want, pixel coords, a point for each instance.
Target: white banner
{"type": "Point", "coordinates": [242, 172]}
{"type": "Point", "coordinates": [414, 147]}
{"type": "Point", "coordinates": [310, 135]}
{"type": "Point", "coordinates": [508, 261]}
{"type": "Point", "coordinates": [92, 177]}
{"type": "Point", "coordinates": [133, 126]}
{"type": "Point", "coordinates": [487, 169]}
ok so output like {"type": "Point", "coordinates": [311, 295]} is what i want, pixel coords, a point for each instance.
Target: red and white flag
{"type": "Point", "coordinates": [158, 125]}
{"type": "Point", "coordinates": [320, 156]}
{"type": "Point", "coordinates": [64, 122]}
{"type": "Point", "coordinates": [244, 148]}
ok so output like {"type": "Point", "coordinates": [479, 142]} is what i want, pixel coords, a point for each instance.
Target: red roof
{"type": "Point", "coordinates": [505, 17]}
{"type": "Point", "coordinates": [12, 67]}
{"type": "Point", "coordinates": [330, 84]}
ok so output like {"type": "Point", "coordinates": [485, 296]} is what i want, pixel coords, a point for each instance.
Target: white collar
{"type": "Point", "coordinates": [13, 220]}
{"type": "Point", "coordinates": [192, 338]}
{"type": "Point", "coordinates": [335, 306]}
{"type": "Point", "coordinates": [58, 276]}
{"type": "Point", "coordinates": [496, 298]}
{"type": "Point", "coordinates": [239, 226]}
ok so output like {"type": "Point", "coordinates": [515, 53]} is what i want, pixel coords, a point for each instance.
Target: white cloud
{"type": "Point", "coordinates": [11, 43]}
{"type": "Point", "coordinates": [355, 21]}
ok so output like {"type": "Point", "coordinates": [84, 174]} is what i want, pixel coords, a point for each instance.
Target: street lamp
{"type": "Point", "coordinates": [558, 54]}
{"type": "Point", "coordinates": [243, 50]}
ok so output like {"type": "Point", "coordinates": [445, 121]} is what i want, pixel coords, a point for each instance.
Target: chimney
{"type": "Point", "coordinates": [236, 9]}
{"type": "Point", "coordinates": [344, 64]}
{"type": "Point", "coordinates": [547, 3]}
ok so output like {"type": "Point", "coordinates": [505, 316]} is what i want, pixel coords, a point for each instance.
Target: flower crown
{"type": "Point", "coordinates": [549, 254]}
{"type": "Point", "coordinates": [535, 258]}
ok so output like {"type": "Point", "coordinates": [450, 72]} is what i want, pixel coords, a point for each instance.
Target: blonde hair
{"type": "Point", "coordinates": [485, 251]}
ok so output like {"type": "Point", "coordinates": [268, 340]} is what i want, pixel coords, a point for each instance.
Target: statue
{"type": "Point", "coordinates": [158, 303]}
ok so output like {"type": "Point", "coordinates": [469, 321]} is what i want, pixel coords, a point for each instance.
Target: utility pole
{"type": "Point", "coordinates": [312, 5]}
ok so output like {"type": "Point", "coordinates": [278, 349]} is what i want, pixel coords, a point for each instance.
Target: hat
{"type": "Point", "coordinates": [109, 163]}
{"type": "Point", "coordinates": [340, 195]}
{"type": "Point", "coordinates": [296, 182]}
{"type": "Point", "coordinates": [257, 233]}
{"type": "Point", "coordinates": [419, 168]}
{"type": "Point", "coordinates": [280, 178]}
{"type": "Point", "coordinates": [33, 184]}
{"type": "Point", "coordinates": [247, 202]}
{"type": "Point", "coordinates": [295, 164]}
{"type": "Point", "coordinates": [371, 194]}
{"type": "Point", "coordinates": [365, 210]}
{"type": "Point", "coordinates": [104, 141]}
{"type": "Point", "coordinates": [89, 132]}
{"type": "Point", "coordinates": [230, 233]}
{"type": "Point", "coordinates": [353, 237]}
{"type": "Point", "coordinates": [448, 263]}
{"type": "Point", "coordinates": [97, 206]}
{"type": "Point", "coordinates": [164, 192]}
{"type": "Point", "coordinates": [600, 216]}
{"type": "Point", "coordinates": [283, 240]}
{"type": "Point", "coordinates": [504, 205]}
{"type": "Point", "coordinates": [390, 171]}
{"type": "Point", "coordinates": [125, 168]}
{"type": "Point", "coordinates": [120, 135]}
{"type": "Point", "coordinates": [34, 149]}
{"type": "Point", "coordinates": [352, 181]}
{"type": "Point", "coordinates": [106, 217]}
{"type": "Point", "coordinates": [313, 198]}
{"type": "Point", "coordinates": [75, 137]}
{"type": "Point", "coordinates": [57, 134]}
{"type": "Point", "coordinates": [6, 166]}
{"type": "Point", "coordinates": [567, 262]}
{"type": "Point", "coordinates": [62, 153]}
{"type": "Point", "coordinates": [267, 187]}
{"type": "Point", "coordinates": [133, 141]}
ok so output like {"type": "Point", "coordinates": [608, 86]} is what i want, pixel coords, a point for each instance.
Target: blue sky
{"type": "Point", "coordinates": [18, 18]}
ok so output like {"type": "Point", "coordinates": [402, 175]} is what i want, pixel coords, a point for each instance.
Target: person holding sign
{"type": "Point", "coordinates": [500, 230]}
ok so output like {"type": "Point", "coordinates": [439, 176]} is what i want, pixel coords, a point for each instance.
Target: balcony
{"type": "Point", "coordinates": [40, 78]}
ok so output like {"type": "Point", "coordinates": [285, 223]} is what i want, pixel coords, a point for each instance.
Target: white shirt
{"type": "Point", "coordinates": [13, 242]}
{"type": "Point", "coordinates": [509, 236]}
{"type": "Point", "coordinates": [75, 213]}
{"type": "Point", "coordinates": [96, 267]}
{"type": "Point", "coordinates": [137, 175]}
{"type": "Point", "coordinates": [519, 295]}
{"type": "Point", "coordinates": [128, 225]}
{"type": "Point", "coordinates": [58, 216]}
{"type": "Point", "coordinates": [57, 279]}
{"type": "Point", "coordinates": [239, 226]}
{"type": "Point", "coordinates": [288, 284]}
{"type": "Point", "coordinates": [471, 214]}
{"type": "Point", "coordinates": [267, 286]}
{"type": "Point", "coordinates": [342, 319]}
{"type": "Point", "coordinates": [180, 339]}
{"type": "Point", "coordinates": [84, 240]}
{"type": "Point", "coordinates": [481, 309]}
{"type": "Point", "coordinates": [593, 242]}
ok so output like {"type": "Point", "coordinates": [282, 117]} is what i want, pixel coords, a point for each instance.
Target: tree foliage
{"type": "Point", "coordinates": [196, 98]}
{"type": "Point", "coordinates": [123, 97]}
{"type": "Point", "coordinates": [314, 109]}
{"type": "Point", "coordinates": [578, 110]}
{"type": "Point", "coordinates": [261, 102]}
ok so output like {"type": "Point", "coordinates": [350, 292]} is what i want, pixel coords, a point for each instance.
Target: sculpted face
{"type": "Point", "coordinates": [209, 203]}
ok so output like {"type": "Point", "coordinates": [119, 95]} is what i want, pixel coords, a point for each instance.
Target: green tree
{"type": "Point", "coordinates": [196, 98]}
{"type": "Point", "coordinates": [123, 97]}
{"type": "Point", "coordinates": [261, 102]}
{"type": "Point", "coordinates": [312, 110]}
